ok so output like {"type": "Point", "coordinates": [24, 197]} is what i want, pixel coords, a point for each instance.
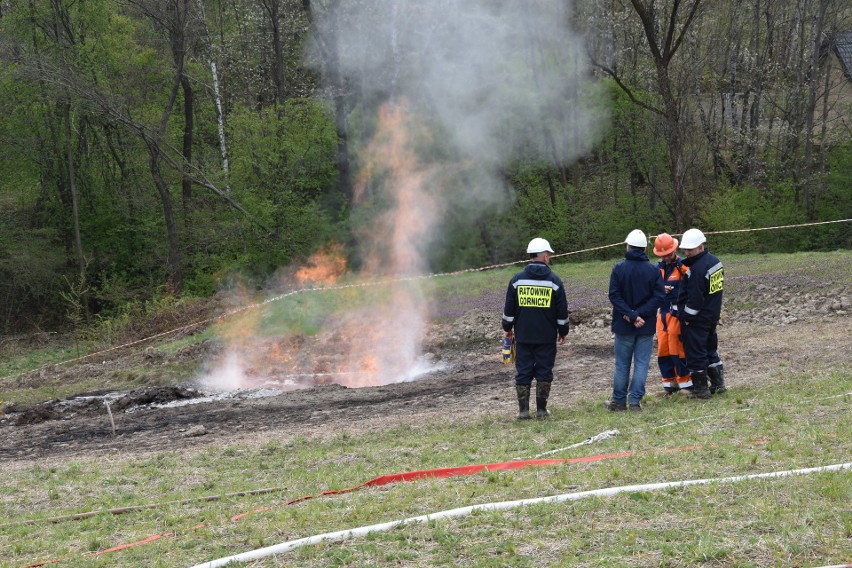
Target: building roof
{"type": "Point", "coordinates": [841, 43]}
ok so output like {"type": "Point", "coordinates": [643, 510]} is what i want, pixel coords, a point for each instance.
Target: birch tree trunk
{"type": "Point", "coordinates": [217, 98]}
{"type": "Point", "coordinates": [72, 188]}
{"type": "Point", "coordinates": [810, 111]}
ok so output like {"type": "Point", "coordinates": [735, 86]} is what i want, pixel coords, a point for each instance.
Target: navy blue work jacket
{"type": "Point", "coordinates": [699, 299]}
{"type": "Point", "coordinates": [536, 305]}
{"type": "Point", "coordinates": [635, 289]}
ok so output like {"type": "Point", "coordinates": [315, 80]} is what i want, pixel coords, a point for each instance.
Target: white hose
{"type": "Point", "coordinates": [596, 438]}
{"type": "Point", "coordinates": [462, 511]}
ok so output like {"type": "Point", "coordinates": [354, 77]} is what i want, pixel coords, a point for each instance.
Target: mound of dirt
{"type": "Point", "coordinates": [90, 404]}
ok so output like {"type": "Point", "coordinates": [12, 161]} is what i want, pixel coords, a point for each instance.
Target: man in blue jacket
{"type": "Point", "coordinates": [636, 291]}
{"type": "Point", "coordinates": [535, 313]}
{"type": "Point", "coordinates": [700, 306]}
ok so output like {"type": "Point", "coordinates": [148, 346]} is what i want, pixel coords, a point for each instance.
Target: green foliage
{"type": "Point", "coordinates": [610, 193]}
{"type": "Point", "coordinates": [732, 209]}
{"type": "Point", "coordinates": [835, 202]}
{"type": "Point", "coordinates": [30, 277]}
{"type": "Point", "coordinates": [472, 239]}
{"type": "Point", "coordinates": [287, 149]}
{"type": "Point", "coordinates": [749, 207]}
{"type": "Point", "coordinates": [112, 67]}
{"type": "Point", "coordinates": [282, 167]}
{"type": "Point", "coordinates": [544, 206]}
{"type": "Point", "coordinates": [144, 318]}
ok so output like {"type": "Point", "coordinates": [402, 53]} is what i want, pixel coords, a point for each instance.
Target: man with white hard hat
{"type": "Point", "coordinates": [534, 315]}
{"type": "Point", "coordinates": [699, 305]}
{"type": "Point", "coordinates": [636, 291]}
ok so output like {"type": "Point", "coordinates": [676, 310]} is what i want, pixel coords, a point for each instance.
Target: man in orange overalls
{"type": "Point", "coordinates": [670, 355]}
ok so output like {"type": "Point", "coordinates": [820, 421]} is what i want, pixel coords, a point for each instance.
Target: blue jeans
{"type": "Point", "coordinates": [635, 349]}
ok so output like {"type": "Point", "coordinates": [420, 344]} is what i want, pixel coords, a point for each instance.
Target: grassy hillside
{"type": "Point", "coordinates": [795, 521]}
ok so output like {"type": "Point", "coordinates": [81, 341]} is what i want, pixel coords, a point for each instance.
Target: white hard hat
{"type": "Point", "coordinates": [692, 238]}
{"type": "Point", "coordinates": [637, 238]}
{"type": "Point", "coordinates": [538, 245]}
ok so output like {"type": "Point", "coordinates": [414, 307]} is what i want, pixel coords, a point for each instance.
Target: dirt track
{"type": "Point", "coordinates": [756, 346]}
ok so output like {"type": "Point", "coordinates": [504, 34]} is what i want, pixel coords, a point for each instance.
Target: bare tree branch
{"type": "Point", "coordinates": [626, 89]}
{"type": "Point", "coordinates": [685, 28]}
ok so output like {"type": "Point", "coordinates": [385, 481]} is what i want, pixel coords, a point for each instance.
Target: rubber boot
{"type": "Point", "coordinates": [699, 385]}
{"type": "Point", "coordinates": [523, 401]}
{"type": "Point", "coordinates": [542, 392]}
{"type": "Point", "coordinates": [717, 379]}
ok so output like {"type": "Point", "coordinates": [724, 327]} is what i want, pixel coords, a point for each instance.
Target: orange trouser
{"type": "Point", "coordinates": [670, 356]}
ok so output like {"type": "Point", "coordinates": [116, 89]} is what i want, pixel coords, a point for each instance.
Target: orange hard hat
{"type": "Point", "coordinates": [665, 244]}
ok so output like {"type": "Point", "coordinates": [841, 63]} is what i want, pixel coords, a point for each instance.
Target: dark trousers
{"type": "Point", "coordinates": [701, 345]}
{"type": "Point", "coordinates": [534, 360]}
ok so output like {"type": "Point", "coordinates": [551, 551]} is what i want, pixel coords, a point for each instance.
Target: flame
{"type": "Point", "coordinates": [324, 267]}
{"type": "Point", "coordinates": [396, 242]}
{"type": "Point", "coordinates": [376, 340]}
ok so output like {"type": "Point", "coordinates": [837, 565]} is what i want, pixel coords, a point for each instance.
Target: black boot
{"type": "Point", "coordinates": [671, 390]}
{"type": "Point", "coordinates": [699, 385]}
{"type": "Point", "coordinates": [542, 392]}
{"type": "Point", "coordinates": [717, 379]}
{"type": "Point", "coordinates": [523, 401]}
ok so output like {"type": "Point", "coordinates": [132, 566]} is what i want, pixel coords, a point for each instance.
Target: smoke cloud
{"type": "Point", "coordinates": [504, 79]}
{"type": "Point", "coordinates": [450, 93]}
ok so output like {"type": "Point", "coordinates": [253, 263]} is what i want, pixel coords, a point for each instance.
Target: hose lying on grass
{"type": "Point", "coordinates": [462, 511]}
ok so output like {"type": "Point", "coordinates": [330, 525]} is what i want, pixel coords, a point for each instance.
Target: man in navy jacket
{"type": "Point", "coordinates": [636, 291]}
{"type": "Point", "coordinates": [700, 307]}
{"type": "Point", "coordinates": [535, 312]}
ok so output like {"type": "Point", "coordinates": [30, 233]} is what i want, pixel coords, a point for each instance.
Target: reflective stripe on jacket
{"type": "Point", "coordinates": [536, 305]}
{"type": "Point", "coordinates": [700, 296]}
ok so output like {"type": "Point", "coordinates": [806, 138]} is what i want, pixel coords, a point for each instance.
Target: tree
{"type": "Point", "coordinates": [325, 38]}
{"type": "Point", "coordinates": [664, 34]}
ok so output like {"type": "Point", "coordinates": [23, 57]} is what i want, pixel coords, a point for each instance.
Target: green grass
{"type": "Point", "coordinates": [23, 360]}
{"type": "Point", "coordinates": [800, 521]}
{"type": "Point", "coordinates": [173, 347]}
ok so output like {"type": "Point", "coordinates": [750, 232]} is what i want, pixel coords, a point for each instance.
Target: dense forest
{"type": "Point", "coordinates": [155, 149]}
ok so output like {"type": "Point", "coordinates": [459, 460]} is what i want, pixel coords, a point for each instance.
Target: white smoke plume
{"type": "Point", "coordinates": [504, 78]}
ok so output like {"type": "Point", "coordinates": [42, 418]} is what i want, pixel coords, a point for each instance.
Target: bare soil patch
{"type": "Point", "coordinates": [785, 334]}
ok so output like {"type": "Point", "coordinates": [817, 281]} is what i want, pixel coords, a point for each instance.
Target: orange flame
{"type": "Point", "coordinates": [380, 342]}
{"type": "Point", "coordinates": [324, 267]}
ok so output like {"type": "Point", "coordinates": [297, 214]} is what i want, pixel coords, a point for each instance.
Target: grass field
{"type": "Point", "coordinates": [793, 521]}
{"type": "Point", "coordinates": [451, 296]}
{"type": "Point", "coordinates": [795, 420]}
